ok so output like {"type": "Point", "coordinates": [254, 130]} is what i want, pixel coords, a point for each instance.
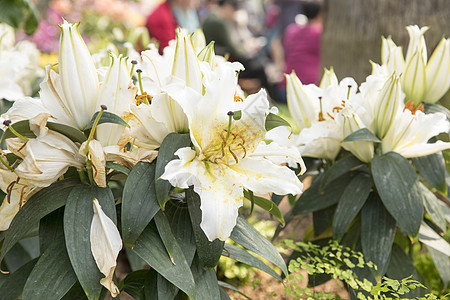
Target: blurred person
{"type": "Point", "coordinates": [161, 23]}
{"type": "Point", "coordinates": [220, 26]}
{"type": "Point", "coordinates": [302, 46]}
{"type": "Point", "coordinates": [186, 15]}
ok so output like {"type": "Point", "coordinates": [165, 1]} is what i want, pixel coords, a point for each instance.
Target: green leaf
{"type": "Point", "coordinates": [72, 133]}
{"type": "Point", "coordinates": [78, 216]}
{"type": "Point", "coordinates": [134, 283]}
{"type": "Point", "coordinates": [117, 167]}
{"type": "Point", "coordinates": [267, 205]}
{"type": "Point", "coordinates": [166, 153]}
{"type": "Point", "coordinates": [237, 115]}
{"type": "Point", "coordinates": [341, 167]}
{"type": "Point", "coordinates": [208, 252]}
{"type": "Point", "coordinates": [150, 247]}
{"type": "Point", "coordinates": [31, 22]}
{"type": "Point", "coordinates": [350, 203]}
{"type": "Point", "coordinates": [163, 226]}
{"type": "Point", "coordinates": [322, 219]}
{"type": "Point", "coordinates": [14, 12]}
{"type": "Point", "coordinates": [50, 228]}
{"type": "Point", "coordinates": [151, 285]}
{"type": "Point", "coordinates": [224, 295]}
{"type": "Point", "coordinates": [395, 180]}
{"type": "Point", "coordinates": [166, 290]}
{"type": "Point", "coordinates": [313, 199]}
{"type": "Point", "coordinates": [206, 285]}
{"type": "Point", "coordinates": [247, 236]}
{"type": "Point", "coordinates": [362, 134]}
{"type": "Point", "coordinates": [432, 168]}
{"type": "Point", "coordinates": [274, 121]}
{"type": "Point", "coordinates": [245, 257]}
{"type": "Point", "coordinates": [53, 276]}
{"type": "Point", "coordinates": [22, 127]}
{"type": "Point", "coordinates": [433, 206]}
{"type": "Point", "coordinates": [107, 117]}
{"type": "Point", "coordinates": [139, 204]}
{"type": "Point", "coordinates": [75, 293]}
{"type": "Point", "coordinates": [17, 257]}
{"type": "Point", "coordinates": [13, 284]}
{"type": "Point", "coordinates": [229, 286]}
{"type": "Point", "coordinates": [441, 263]}
{"type": "Point", "coordinates": [11, 12]}
{"type": "Point", "coordinates": [178, 215]}
{"type": "Point", "coordinates": [377, 234]}
{"type": "Point", "coordinates": [39, 205]}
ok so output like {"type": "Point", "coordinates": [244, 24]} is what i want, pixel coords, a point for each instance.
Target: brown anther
{"type": "Point", "coordinates": [234, 155]}
{"type": "Point", "coordinates": [144, 98]}
{"type": "Point", "coordinates": [330, 115]}
{"type": "Point", "coordinates": [9, 191]}
{"type": "Point", "coordinates": [337, 109]}
{"type": "Point", "coordinates": [22, 193]}
{"type": "Point", "coordinates": [238, 98]}
{"type": "Point", "coordinates": [412, 107]}
{"type": "Point", "coordinates": [245, 150]}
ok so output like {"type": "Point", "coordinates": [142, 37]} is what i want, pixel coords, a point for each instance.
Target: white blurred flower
{"type": "Point", "coordinates": [19, 65]}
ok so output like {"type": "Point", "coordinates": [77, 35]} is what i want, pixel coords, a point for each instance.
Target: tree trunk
{"type": "Point", "coordinates": [353, 28]}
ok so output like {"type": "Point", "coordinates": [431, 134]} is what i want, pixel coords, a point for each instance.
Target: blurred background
{"type": "Point", "coordinates": [270, 37]}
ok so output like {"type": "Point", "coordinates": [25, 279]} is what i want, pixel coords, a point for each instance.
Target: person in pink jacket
{"type": "Point", "coordinates": [302, 45]}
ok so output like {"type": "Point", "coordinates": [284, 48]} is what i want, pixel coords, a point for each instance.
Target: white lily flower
{"type": "Point", "coordinates": [48, 156]}
{"type": "Point", "coordinates": [17, 193]}
{"type": "Point", "coordinates": [106, 244]}
{"type": "Point", "coordinates": [314, 111]}
{"type": "Point", "coordinates": [117, 92]}
{"type": "Point", "coordinates": [421, 80]}
{"type": "Point", "coordinates": [410, 132]}
{"type": "Point", "coordinates": [225, 159]}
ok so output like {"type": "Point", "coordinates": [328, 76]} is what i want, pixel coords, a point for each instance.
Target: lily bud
{"type": "Point", "coordinates": [79, 77]}
{"type": "Point", "coordinates": [328, 79]}
{"type": "Point", "coordinates": [387, 105]}
{"type": "Point", "coordinates": [186, 65]}
{"type": "Point", "coordinates": [299, 102]}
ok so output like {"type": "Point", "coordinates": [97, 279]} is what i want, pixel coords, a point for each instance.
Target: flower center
{"type": "Point", "coordinates": [228, 149]}
{"type": "Point", "coordinates": [412, 107]}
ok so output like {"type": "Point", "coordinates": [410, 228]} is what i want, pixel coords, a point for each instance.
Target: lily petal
{"type": "Point", "coordinates": [221, 193]}
{"type": "Point", "coordinates": [78, 75]}
{"type": "Point", "coordinates": [47, 158]}
{"type": "Point", "coordinates": [96, 155]}
{"type": "Point", "coordinates": [409, 134]}
{"type": "Point", "coordinates": [438, 72]}
{"type": "Point", "coordinates": [105, 246]}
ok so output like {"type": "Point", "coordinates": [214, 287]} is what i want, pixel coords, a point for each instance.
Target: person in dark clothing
{"type": "Point", "coordinates": [218, 27]}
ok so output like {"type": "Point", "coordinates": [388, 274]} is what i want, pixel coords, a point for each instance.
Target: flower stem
{"type": "Point", "coordinates": [6, 164]}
